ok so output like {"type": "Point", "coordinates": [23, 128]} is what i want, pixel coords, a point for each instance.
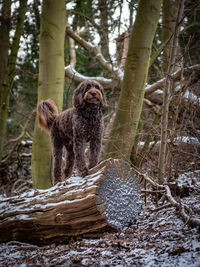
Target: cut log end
{"type": "Point", "coordinates": [108, 197]}
{"type": "Point", "coordinates": [120, 194]}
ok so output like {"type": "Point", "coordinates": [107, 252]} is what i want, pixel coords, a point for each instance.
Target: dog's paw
{"type": "Point", "coordinates": [83, 172]}
{"type": "Point", "coordinates": [92, 165]}
{"type": "Point", "coordinates": [55, 181]}
{"type": "Point", "coordinates": [68, 172]}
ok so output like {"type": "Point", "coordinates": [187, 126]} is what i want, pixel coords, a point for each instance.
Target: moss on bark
{"type": "Point", "coordinates": [50, 84]}
{"type": "Point", "coordinates": [125, 124]}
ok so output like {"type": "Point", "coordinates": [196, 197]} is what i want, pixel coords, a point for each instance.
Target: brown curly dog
{"type": "Point", "coordinates": [74, 127]}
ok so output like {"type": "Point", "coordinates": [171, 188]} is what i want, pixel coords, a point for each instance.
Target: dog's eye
{"type": "Point", "coordinates": [88, 87]}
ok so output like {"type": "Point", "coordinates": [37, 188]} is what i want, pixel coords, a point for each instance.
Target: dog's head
{"type": "Point", "coordinates": [91, 92]}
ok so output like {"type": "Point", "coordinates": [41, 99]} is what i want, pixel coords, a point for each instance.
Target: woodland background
{"type": "Point", "coordinates": [109, 30]}
{"type": "Point", "coordinates": [163, 146]}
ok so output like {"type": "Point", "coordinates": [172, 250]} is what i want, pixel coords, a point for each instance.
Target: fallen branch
{"type": "Point", "coordinates": [149, 180]}
{"type": "Point", "coordinates": [107, 198]}
{"type": "Point", "coordinates": [184, 210]}
{"type": "Point", "coordinates": [152, 191]}
{"type": "Point", "coordinates": [161, 208]}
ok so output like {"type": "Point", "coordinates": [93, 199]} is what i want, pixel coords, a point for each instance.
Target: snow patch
{"type": "Point", "coordinates": [178, 139]}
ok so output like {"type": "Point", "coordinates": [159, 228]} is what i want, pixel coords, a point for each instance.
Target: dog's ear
{"type": "Point", "coordinates": [103, 100]}
{"type": "Point", "coordinates": [78, 99]}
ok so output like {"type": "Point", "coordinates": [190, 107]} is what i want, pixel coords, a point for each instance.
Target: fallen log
{"type": "Point", "coordinates": [108, 197]}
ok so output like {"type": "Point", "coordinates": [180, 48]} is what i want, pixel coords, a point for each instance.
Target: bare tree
{"type": "Point", "coordinates": [168, 90]}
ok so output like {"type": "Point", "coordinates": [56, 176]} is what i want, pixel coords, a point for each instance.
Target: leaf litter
{"type": "Point", "coordinates": [157, 239]}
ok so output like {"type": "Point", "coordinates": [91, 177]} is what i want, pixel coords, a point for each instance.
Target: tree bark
{"type": "Point", "coordinates": [103, 7]}
{"type": "Point", "coordinates": [107, 198]}
{"type": "Point", "coordinates": [169, 15]}
{"type": "Point", "coordinates": [125, 124]}
{"type": "Point", "coordinates": [4, 39]}
{"type": "Point", "coordinates": [4, 47]}
{"type": "Point", "coordinates": [50, 84]}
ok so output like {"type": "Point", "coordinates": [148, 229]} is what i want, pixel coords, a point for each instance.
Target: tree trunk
{"type": "Point", "coordinates": [108, 197]}
{"type": "Point", "coordinates": [50, 84]}
{"type": "Point", "coordinates": [4, 39]}
{"type": "Point", "coordinates": [104, 14]}
{"type": "Point", "coordinates": [168, 90]}
{"type": "Point", "coordinates": [10, 74]}
{"type": "Point", "coordinates": [125, 124]}
{"type": "Point", "coordinates": [169, 15]}
{"type": "Point", "coordinates": [4, 47]}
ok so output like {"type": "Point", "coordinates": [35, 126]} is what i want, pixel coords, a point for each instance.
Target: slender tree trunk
{"type": "Point", "coordinates": [4, 39]}
{"type": "Point", "coordinates": [169, 15]}
{"type": "Point", "coordinates": [131, 12]}
{"type": "Point", "coordinates": [50, 84]}
{"type": "Point", "coordinates": [4, 48]}
{"type": "Point", "coordinates": [168, 88]}
{"type": "Point", "coordinates": [103, 7]}
{"type": "Point", "coordinates": [10, 74]}
{"type": "Point", "coordinates": [125, 124]}
{"type": "Point", "coordinates": [70, 59]}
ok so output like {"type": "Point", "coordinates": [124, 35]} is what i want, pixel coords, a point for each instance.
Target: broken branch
{"type": "Point", "coordinates": [175, 76]}
{"type": "Point", "coordinates": [115, 71]}
{"type": "Point", "coordinates": [71, 73]}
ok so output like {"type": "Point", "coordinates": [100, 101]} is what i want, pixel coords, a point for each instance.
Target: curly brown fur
{"type": "Point", "coordinates": [74, 127]}
{"type": "Point", "coordinates": [47, 112]}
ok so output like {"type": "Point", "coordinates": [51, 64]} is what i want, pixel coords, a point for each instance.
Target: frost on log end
{"type": "Point", "coordinates": [108, 197]}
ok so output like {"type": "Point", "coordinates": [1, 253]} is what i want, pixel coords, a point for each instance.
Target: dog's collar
{"type": "Point", "coordinates": [94, 111]}
{"type": "Point", "coordinates": [89, 111]}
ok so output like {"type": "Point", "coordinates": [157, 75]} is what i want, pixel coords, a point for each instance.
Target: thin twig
{"type": "Point", "coordinates": [161, 208]}
{"type": "Point", "coordinates": [184, 210]}
{"type": "Point", "coordinates": [19, 138]}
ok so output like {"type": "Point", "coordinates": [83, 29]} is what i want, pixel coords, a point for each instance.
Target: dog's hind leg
{"type": "Point", "coordinates": [57, 163]}
{"type": "Point", "coordinates": [69, 161]}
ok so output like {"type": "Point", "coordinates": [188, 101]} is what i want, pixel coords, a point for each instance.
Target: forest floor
{"type": "Point", "coordinates": [159, 237]}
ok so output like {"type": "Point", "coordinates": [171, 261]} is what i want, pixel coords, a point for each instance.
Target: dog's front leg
{"type": "Point", "coordinates": [95, 149]}
{"type": "Point", "coordinates": [70, 160]}
{"type": "Point", "coordinates": [79, 151]}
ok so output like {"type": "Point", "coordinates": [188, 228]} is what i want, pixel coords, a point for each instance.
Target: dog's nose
{"type": "Point", "coordinates": [93, 93]}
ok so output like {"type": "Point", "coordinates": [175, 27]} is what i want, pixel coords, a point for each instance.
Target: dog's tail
{"type": "Point", "coordinates": [47, 112]}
